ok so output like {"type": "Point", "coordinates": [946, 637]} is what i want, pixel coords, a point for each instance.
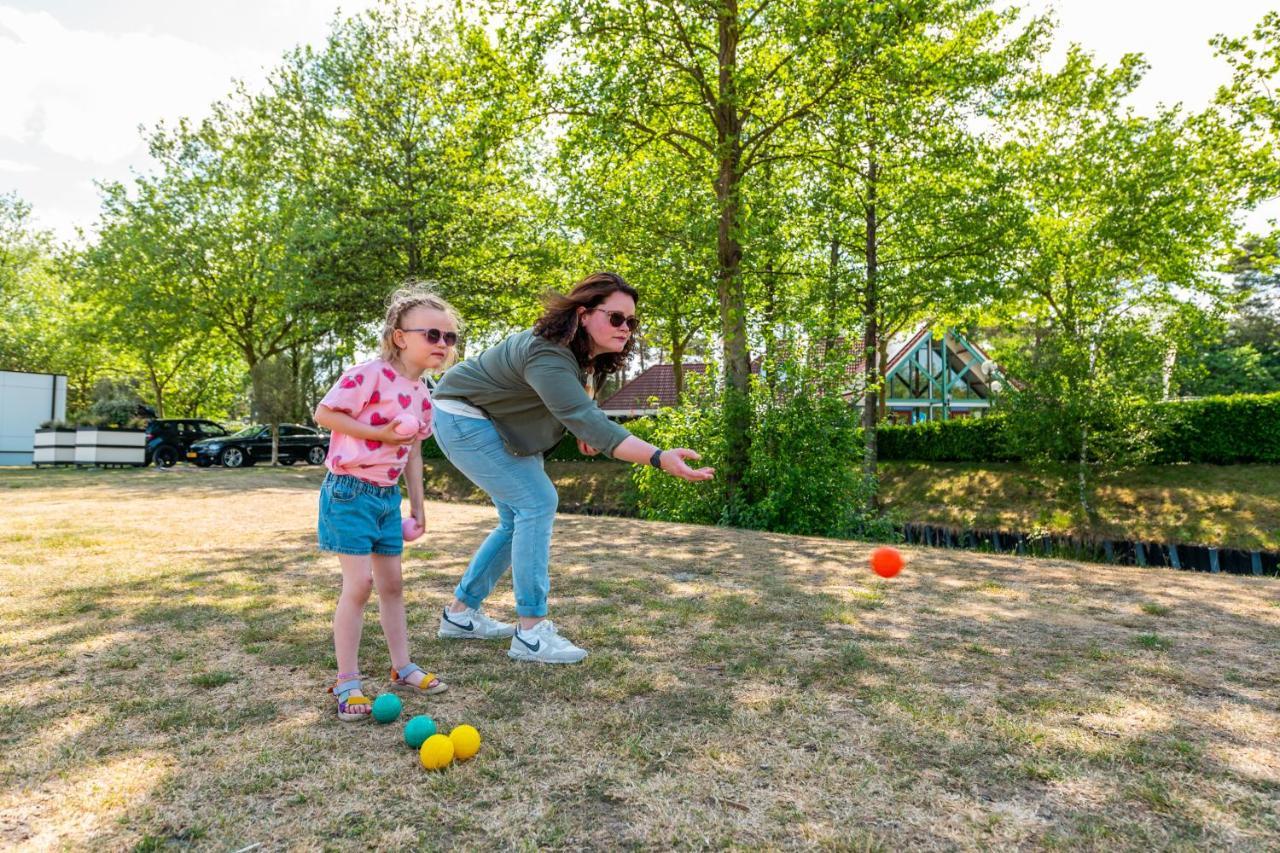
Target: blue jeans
{"type": "Point", "coordinates": [526, 501]}
{"type": "Point", "coordinates": [358, 517]}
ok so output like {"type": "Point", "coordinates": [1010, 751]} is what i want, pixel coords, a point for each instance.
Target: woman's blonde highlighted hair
{"type": "Point", "coordinates": [414, 294]}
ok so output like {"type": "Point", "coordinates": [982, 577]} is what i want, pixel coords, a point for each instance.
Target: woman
{"type": "Point", "coordinates": [495, 417]}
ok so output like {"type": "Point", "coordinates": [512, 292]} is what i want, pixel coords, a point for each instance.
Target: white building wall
{"type": "Point", "coordinates": [26, 401]}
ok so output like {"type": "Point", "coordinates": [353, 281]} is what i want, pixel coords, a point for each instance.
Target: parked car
{"type": "Point", "coordinates": [168, 439]}
{"type": "Point", "coordinates": [253, 444]}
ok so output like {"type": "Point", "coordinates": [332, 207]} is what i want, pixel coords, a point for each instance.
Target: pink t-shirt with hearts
{"type": "Point", "coordinates": [374, 393]}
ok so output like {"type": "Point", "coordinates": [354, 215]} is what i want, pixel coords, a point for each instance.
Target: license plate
{"type": "Point", "coordinates": [191, 455]}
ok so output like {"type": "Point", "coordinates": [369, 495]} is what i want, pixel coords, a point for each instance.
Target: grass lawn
{"type": "Point", "coordinates": [165, 641]}
{"type": "Point", "coordinates": [1230, 506]}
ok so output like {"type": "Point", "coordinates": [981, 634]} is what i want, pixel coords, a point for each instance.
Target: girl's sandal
{"type": "Point", "coordinates": [351, 708]}
{"type": "Point", "coordinates": [429, 685]}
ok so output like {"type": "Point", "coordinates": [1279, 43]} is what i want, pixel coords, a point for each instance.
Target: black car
{"type": "Point", "coordinates": [253, 444]}
{"type": "Point", "coordinates": [168, 439]}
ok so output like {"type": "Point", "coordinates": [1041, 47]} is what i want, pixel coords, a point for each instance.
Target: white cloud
{"type": "Point", "coordinates": [15, 166]}
{"type": "Point", "coordinates": [84, 94]}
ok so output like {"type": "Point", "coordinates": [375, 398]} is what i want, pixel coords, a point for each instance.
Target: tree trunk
{"type": "Point", "coordinates": [882, 352]}
{"type": "Point", "coordinates": [870, 340]}
{"type": "Point", "coordinates": [677, 368]}
{"type": "Point", "coordinates": [157, 390]}
{"type": "Point", "coordinates": [833, 300]}
{"type": "Point", "coordinates": [1083, 469]}
{"type": "Point", "coordinates": [275, 445]}
{"type": "Point", "coordinates": [732, 298]}
{"type": "Point", "coordinates": [770, 330]}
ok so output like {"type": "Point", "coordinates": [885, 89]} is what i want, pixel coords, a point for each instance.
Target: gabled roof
{"type": "Point", "coordinates": [659, 380]}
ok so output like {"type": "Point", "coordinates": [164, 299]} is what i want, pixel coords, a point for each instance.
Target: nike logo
{"type": "Point", "coordinates": [533, 647]}
{"type": "Point", "coordinates": [470, 626]}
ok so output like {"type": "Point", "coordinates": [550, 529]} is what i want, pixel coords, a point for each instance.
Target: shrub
{"type": "Point", "coordinates": [803, 474]}
{"type": "Point", "coordinates": [963, 440]}
{"type": "Point", "coordinates": [1242, 428]}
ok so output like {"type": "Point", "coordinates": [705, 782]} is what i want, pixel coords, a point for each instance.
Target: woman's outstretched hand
{"type": "Point", "coordinates": [674, 463]}
{"type": "Point", "coordinates": [586, 449]}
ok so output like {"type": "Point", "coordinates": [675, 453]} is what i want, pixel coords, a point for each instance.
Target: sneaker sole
{"type": "Point", "coordinates": [464, 636]}
{"type": "Point", "coordinates": [516, 656]}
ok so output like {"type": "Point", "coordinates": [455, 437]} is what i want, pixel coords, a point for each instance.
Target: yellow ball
{"type": "Point", "coordinates": [436, 752]}
{"type": "Point", "coordinates": [466, 742]}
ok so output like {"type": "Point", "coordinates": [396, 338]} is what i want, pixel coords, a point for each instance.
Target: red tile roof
{"type": "Point", "coordinates": [657, 381]}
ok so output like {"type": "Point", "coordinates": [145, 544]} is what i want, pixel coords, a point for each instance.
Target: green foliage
{"type": "Point", "coordinates": [699, 424]}
{"type": "Point", "coordinates": [115, 404]}
{"type": "Point", "coordinates": [803, 473]}
{"type": "Point", "coordinates": [982, 439]}
{"type": "Point", "coordinates": [1219, 430]}
{"type": "Point", "coordinates": [1235, 430]}
{"type": "Point", "coordinates": [1241, 354]}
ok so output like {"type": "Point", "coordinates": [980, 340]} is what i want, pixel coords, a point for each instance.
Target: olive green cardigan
{"type": "Point", "coordinates": [532, 389]}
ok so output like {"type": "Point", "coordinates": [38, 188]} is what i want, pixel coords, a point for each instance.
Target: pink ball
{"type": "Point", "coordinates": [411, 529]}
{"type": "Point", "coordinates": [406, 424]}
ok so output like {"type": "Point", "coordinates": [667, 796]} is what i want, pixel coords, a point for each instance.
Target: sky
{"type": "Point", "coordinates": [79, 78]}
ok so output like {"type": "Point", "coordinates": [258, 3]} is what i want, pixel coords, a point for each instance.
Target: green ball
{"type": "Point", "coordinates": [386, 707]}
{"type": "Point", "coordinates": [418, 729]}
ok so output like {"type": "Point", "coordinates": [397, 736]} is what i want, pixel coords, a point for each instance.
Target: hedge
{"type": "Point", "coordinates": [1239, 429]}
{"type": "Point", "coordinates": [962, 440]}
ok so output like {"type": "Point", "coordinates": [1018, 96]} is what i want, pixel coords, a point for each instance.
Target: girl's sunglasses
{"type": "Point", "coordinates": [617, 318]}
{"type": "Point", "coordinates": [435, 336]}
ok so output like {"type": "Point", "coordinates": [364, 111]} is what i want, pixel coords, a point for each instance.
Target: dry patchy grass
{"type": "Point", "coordinates": [165, 638]}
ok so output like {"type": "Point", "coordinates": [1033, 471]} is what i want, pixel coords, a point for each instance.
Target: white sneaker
{"type": "Point", "coordinates": [471, 624]}
{"type": "Point", "coordinates": [542, 644]}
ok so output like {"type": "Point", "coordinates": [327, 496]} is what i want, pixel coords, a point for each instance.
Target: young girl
{"type": "Point", "coordinates": [360, 498]}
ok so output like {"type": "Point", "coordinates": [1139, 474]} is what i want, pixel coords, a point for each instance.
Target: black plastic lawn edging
{"type": "Point", "coordinates": [1120, 552]}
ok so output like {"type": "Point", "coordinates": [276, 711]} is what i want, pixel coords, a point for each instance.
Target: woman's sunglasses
{"type": "Point", "coordinates": [435, 336]}
{"type": "Point", "coordinates": [617, 318]}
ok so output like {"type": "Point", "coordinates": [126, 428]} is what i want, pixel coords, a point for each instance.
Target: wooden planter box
{"type": "Point", "coordinates": [110, 446]}
{"type": "Point", "coordinates": [54, 447]}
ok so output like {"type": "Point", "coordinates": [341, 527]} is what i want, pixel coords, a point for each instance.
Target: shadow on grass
{"type": "Point", "coordinates": [740, 684]}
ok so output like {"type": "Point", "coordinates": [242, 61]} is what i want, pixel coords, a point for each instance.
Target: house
{"type": "Point", "coordinates": [927, 378]}
{"type": "Point", "coordinates": [937, 378]}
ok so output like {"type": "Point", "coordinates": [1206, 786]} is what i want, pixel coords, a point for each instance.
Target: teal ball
{"type": "Point", "coordinates": [418, 729]}
{"type": "Point", "coordinates": [386, 707]}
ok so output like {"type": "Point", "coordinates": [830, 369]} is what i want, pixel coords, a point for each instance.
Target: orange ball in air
{"type": "Point", "coordinates": [886, 562]}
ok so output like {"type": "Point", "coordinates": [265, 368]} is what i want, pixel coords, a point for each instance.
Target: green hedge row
{"type": "Point", "coordinates": [1240, 429]}
{"type": "Point", "coordinates": [964, 440]}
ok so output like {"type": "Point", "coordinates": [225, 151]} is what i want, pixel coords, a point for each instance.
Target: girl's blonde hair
{"type": "Point", "coordinates": [414, 294]}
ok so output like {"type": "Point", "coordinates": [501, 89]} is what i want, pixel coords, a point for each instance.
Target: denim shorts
{"type": "Point", "coordinates": [358, 517]}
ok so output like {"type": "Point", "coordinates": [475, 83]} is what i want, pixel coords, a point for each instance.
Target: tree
{"type": "Point", "coordinates": [44, 327]}
{"type": "Point", "coordinates": [140, 313]}
{"type": "Point", "coordinates": [644, 216]}
{"type": "Point", "coordinates": [275, 397]}
{"type": "Point", "coordinates": [1120, 219]}
{"type": "Point", "coordinates": [907, 198]}
{"type": "Point", "coordinates": [1240, 353]}
{"type": "Point", "coordinates": [401, 140]}
{"type": "Point", "coordinates": [726, 86]}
